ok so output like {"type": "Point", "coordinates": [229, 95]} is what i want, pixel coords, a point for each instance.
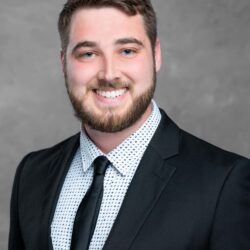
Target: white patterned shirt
{"type": "Point", "coordinates": [124, 159]}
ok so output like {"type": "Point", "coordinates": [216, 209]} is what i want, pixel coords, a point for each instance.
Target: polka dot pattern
{"type": "Point", "coordinates": [124, 162]}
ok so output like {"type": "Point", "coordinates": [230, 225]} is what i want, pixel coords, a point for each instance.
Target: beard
{"type": "Point", "coordinates": [111, 121]}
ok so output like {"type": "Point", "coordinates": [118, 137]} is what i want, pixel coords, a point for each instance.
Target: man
{"type": "Point", "coordinates": [162, 189]}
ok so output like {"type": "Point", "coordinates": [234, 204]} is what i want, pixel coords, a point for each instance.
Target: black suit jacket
{"type": "Point", "coordinates": [186, 195]}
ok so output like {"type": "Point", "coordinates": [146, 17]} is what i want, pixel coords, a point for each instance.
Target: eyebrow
{"type": "Point", "coordinates": [88, 44]}
{"type": "Point", "coordinates": [121, 41]}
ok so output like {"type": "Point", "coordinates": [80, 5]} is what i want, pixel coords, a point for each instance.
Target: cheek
{"type": "Point", "coordinates": [79, 75]}
{"type": "Point", "coordinates": [141, 73]}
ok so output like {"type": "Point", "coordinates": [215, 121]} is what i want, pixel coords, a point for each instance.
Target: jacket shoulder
{"type": "Point", "coordinates": [197, 150]}
{"type": "Point", "coordinates": [41, 158]}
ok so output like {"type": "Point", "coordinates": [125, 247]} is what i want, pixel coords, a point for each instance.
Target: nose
{"type": "Point", "coordinates": [109, 69]}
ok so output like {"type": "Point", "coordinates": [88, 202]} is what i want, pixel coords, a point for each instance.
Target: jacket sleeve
{"type": "Point", "coordinates": [15, 234]}
{"type": "Point", "coordinates": [231, 225]}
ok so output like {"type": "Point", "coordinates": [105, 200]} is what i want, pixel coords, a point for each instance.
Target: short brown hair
{"type": "Point", "coordinates": [129, 7]}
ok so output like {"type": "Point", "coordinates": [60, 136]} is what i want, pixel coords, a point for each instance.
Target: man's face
{"type": "Point", "coordinates": [109, 68]}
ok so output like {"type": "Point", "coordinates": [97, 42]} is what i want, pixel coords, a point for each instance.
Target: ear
{"type": "Point", "coordinates": [157, 55]}
{"type": "Point", "coordinates": [62, 57]}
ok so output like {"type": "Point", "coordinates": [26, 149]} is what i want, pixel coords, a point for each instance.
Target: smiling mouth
{"type": "Point", "coordinates": [111, 94]}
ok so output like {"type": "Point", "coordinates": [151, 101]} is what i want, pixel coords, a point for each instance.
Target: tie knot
{"type": "Point", "coordinates": [100, 165]}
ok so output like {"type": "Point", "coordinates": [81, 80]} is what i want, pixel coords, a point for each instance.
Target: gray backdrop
{"type": "Point", "coordinates": [203, 84]}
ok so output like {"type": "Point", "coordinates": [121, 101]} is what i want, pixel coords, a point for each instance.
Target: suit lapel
{"type": "Point", "coordinates": [152, 176]}
{"type": "Point", "coordinates": [56, 174]}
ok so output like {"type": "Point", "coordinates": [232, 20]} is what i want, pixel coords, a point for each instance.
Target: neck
{"type": "Point", "coordinates": [106, 142]}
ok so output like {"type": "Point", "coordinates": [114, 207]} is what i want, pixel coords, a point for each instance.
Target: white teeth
{"type": "Point", "coordinates": [111, 94]}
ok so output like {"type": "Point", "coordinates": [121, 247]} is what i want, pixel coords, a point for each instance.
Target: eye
{"type": "Point", "coordinates": [128, 52]}
{"type": "Point", "coordinates": [86, 55]}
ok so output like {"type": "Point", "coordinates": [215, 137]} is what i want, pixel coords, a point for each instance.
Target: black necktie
{"type": "Point", "coordinates": [88, 210]}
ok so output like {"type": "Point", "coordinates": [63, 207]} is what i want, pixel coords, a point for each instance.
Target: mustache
{"type": "Point", "coordinates": [110, 84]}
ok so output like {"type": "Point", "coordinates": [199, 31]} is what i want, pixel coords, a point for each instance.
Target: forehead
{"type": "Point", "coordinates": [103, 24]}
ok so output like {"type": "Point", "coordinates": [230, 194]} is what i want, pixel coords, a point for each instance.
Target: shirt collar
{"type": "Point", "coordinates": [88, 150]}
{"type": "Point", "coordinates": [134, 146]}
